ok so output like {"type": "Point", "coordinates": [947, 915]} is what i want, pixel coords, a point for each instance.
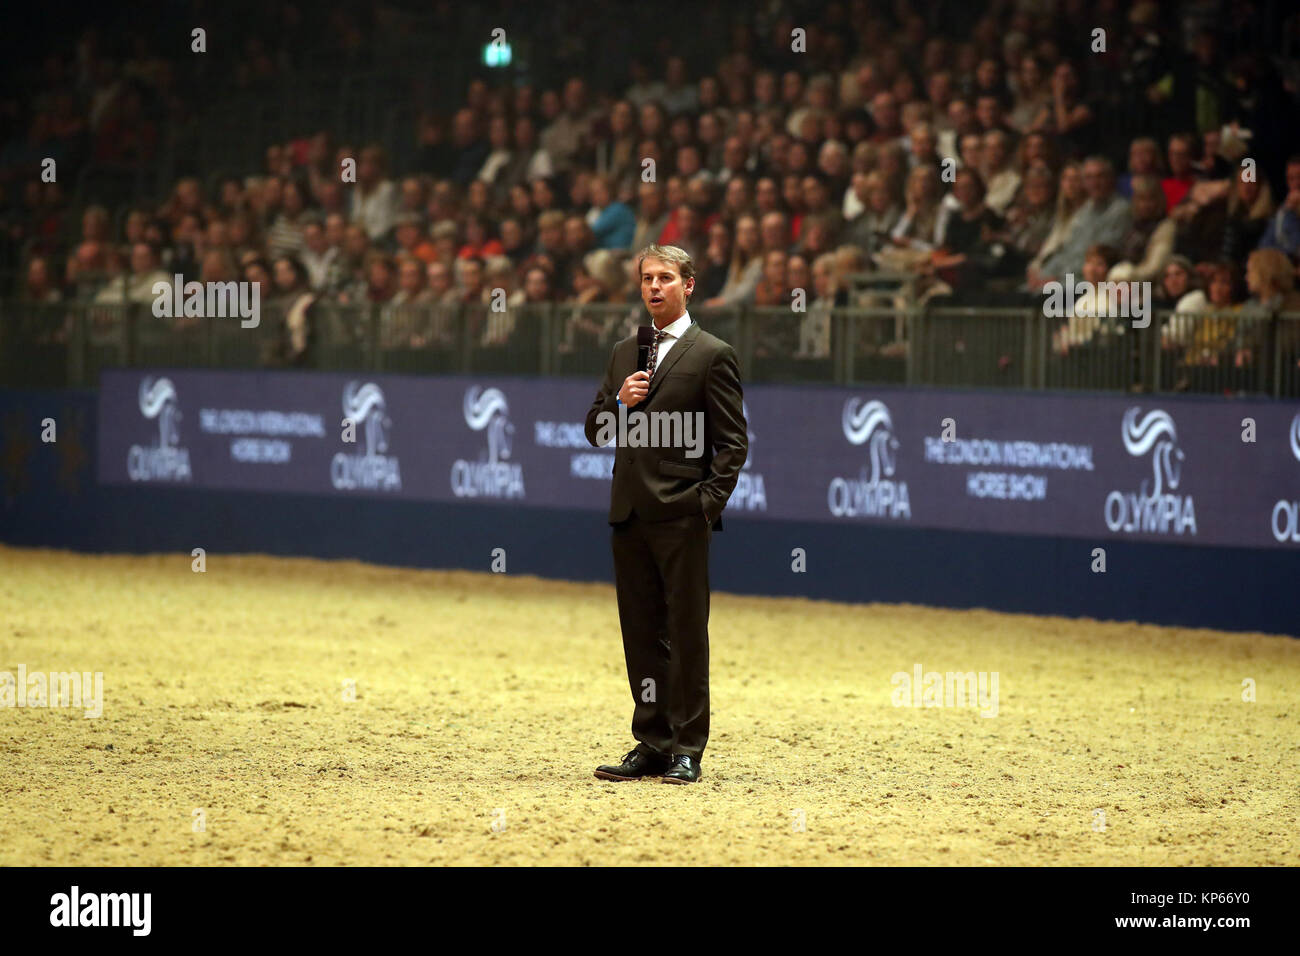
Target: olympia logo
{"type": "Point", "coordinates": [875, 494]}
{"type": "Point", "coordinates": [493, 475]}
{"type": "Point", "coordinates": [167, 460]}
{"type": "Point", "coordinates": [1285, 520]}
{"type": "Point", "coordinates": [1154, 508]}
{"type": "Point", "coordinates": [372, 469]}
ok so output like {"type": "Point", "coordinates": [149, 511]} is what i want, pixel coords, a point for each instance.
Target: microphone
{"type": "Point", "coordinates": [645, 340]}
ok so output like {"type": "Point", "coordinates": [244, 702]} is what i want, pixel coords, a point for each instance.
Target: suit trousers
{"type": "Point", "coordinates": [661, 574]}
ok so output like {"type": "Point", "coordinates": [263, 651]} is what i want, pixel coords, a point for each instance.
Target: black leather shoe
{"type": "Point", "coordinates": [684, 769]}
{"type": "Point", "coordinates": [634, 766]}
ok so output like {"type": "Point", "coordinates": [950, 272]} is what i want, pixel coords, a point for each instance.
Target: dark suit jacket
{"type": "Point", "coordinates": [699, 374]}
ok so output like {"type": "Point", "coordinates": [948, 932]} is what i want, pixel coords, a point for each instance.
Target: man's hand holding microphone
{"type": "Point", "coordinates": [635, 387]}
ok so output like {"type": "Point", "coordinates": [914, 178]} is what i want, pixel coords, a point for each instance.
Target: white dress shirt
{"type": "Point", "coordinates": [675, 330]}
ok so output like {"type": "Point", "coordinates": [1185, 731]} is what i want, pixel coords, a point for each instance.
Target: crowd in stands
{"type": "Point", "coordinates": [982, 166]}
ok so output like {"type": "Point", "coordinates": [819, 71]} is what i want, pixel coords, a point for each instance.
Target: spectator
{"type": "Point", "coordinates": [137, 286]}
{"type": "Point", "coordinates": [997, 171]}
{"type": "Point", "coordinates": [1143, 160]}
{"type": "Point", "coordinates": [293, 300]}
{"type": "Point", "coordinates": [1204, 318]}
{"type": "Point", "coordinates": [1092, 311]}
{"type": "Point", "coordinates": [317, 255]}
{"type": "Point", "coordinates": [880, 212]}
{"type": "Point", "coordinates": [1175, 282]}
{"type": "Point", "coordinates": [284, 237]}
{"type": "Point", "coordinates": [568, 134]}
{"type": "Point", "coordinates": [39, 287]}
{"type": "Point", "coordinates": [1029, 220]}
{"type": "Point", "coordinates": [1103, 220]}
{"type": "Point", "coordinates": [1149, 242]}
{"type": "Point", "coordinates": [1182, 175]}
{"type": "Point", "coordinates": [711, 271]}
{"type": "Point", "coordinates": [746, 266]}
{"type": "Point", "coordinates": [478, 243]}
{"type": "Point", "coordinates": [374, 197]}
{"type": "Point", "coordinates": [915, 229]}
{"type": "Point", "coordinates": [612, 223]}
{"type": "Point", "coordinates": [1069, 116]}
{"type": "Point", "coordinates": [964, 235]}
{"type": "Point", "coordinates": [1283, 230]}
{"type": "Point", "coordinates": [815, 326]}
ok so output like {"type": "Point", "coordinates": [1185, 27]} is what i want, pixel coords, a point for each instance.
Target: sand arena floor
{"type": "Point", "coordinates": [483, 702]}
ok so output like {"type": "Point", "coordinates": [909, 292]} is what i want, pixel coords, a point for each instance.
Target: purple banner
{"type": "Point", "coordinates": [1184, 470]}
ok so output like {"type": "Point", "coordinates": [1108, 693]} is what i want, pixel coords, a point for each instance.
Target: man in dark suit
{"type": "Point", "coordinates": [664, 506]}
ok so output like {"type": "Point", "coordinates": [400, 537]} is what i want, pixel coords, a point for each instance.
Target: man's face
{"type": "Point", "coordinates": [1097, 180]}
{"type": "Point", "coordinates": [439, 277]}
{"type": "Point", "coordinates": [472, 275]}
{"type": "Point", "coordinates": [1293, 177]}
{"type": "Point", "coordinates": [1180, 157]}
{"type": "Point", "coordinates": [664, 291]}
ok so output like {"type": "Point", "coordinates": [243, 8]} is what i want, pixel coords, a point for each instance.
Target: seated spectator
{"type": "Point", "coordinates": [1033, 94]}
{"type": "Point", "coordinates": [472, 281]}
{"type": "Point", "coordinates": [1182, 174]}
{"type": "Point", "coordinates": [815, 326]}
{"type": "Point", "coordinates": [1175, 282]}
{"type": "Point", "coordinates": [1069, 116]}
{"type": "Point", "coordinates": [1029, 220]}
{"type": "Point", "coordinates": [913, 236]}
{"type": "Point", "coordinates": [411, 289]}
{"type": "Point", "coordinates": [1103, 219]}
{"type": "Point", "coordinates": [711, 271]}
{"type": "Point", "coordinates": [1203, 320]}
{"type": "Point", "coordinates": [439, 284]}
{"type": "Point", "coordinates": [39, 286]}
{"type": "Point", "coordinates": [652, 215]}
{"type": "Point", "coordinates": [746, 265]}
{"type": "Point", "coordinates": [381, 279]}
{"type": "Point", "coordinates": [870, 230]}
{"type": "Point", "coordinates": [997, 171]}
{"type": "Point", "coordinates": [374, 197]}
{"type": "Point", "coordinates": [772, 288]}
{"type": "Point", "coordinates": [1092, 309]}
{"type": "Point", "coordinates": [1270, 279]}
{"type": "Point", "coordinates": [1143, 160]}
{"type": "Point", "coordinates": [293, 300]}
{"type": "Point", "coordinates": [479, 244]}
{"type": "Point", "coordinates": [1283, 230]}
{"type": "Point", "coordinates": [136, 286]}
{"type": "Point", "coordinates": [964, 236]}
{"type": "Point", "coordinates": [284, 237]}
{"type": "Point", "coordinates": [495, 165]}
{"type": "Point", "coordinates": [1149, 242]}
{"type": "Point", "coordinates": [613, 224]}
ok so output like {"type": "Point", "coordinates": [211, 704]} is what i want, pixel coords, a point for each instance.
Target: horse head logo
{"type": "Point", "coordinates": [158, 400]}
{"type": "Point", "coordinates": [1155, 432]}
{"type": "Point", "coordinates": [366, 404]}
{"type": "Point", "coordinates": [487, 409]}
{"type": "Point", "coordinates": [871, 424]}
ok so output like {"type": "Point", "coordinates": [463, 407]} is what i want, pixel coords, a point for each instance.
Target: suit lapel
{"type": "Point", "coordinates": [679, 349]}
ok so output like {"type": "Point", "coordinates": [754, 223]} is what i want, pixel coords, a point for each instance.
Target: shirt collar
{"type": "Point", "coordinates": [678, 328]}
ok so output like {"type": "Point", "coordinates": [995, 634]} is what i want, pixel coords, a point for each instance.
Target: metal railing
{"type": "Point", "coordinates": [66, 344]}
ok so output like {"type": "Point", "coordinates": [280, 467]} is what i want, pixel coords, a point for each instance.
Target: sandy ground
{"type": "Point", "coordinates": [483, 702]}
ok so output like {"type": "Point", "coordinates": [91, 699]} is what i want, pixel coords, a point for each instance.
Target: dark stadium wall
{"type": "Point", "coordinates": [51, 499]}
